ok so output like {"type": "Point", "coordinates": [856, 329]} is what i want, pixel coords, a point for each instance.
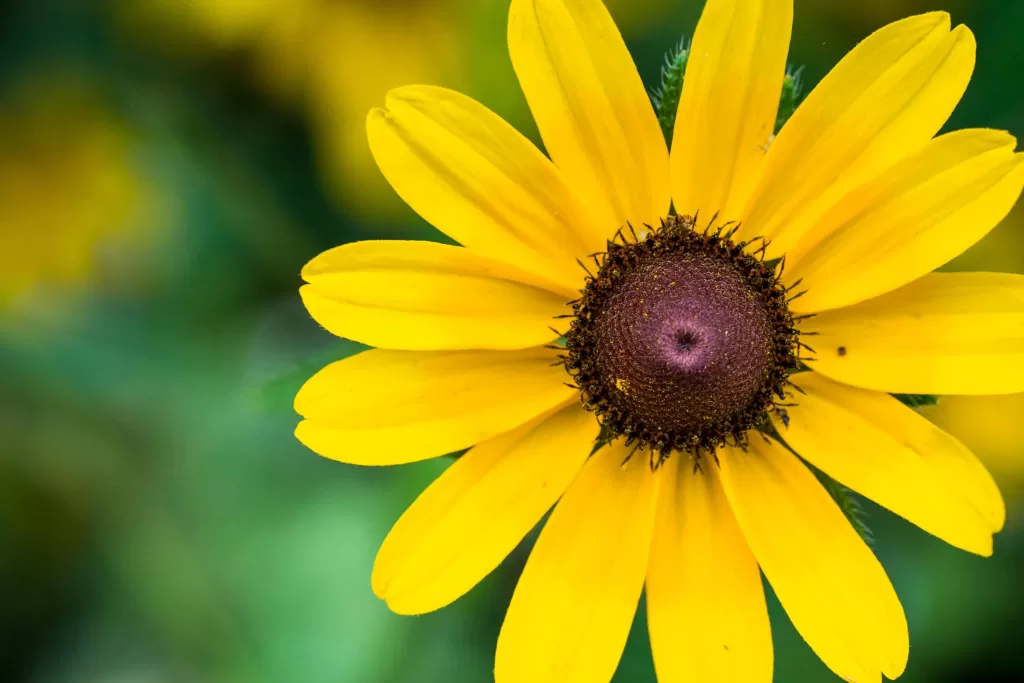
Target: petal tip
{"type": "Point", "coordinates": [895, 660]}
{"type": "Point", "coordinates": [300, 429]}
{"type": "Point", "coordinates": [306, 293]}
{"type": "Point", "coordinates": [405, 94]}
{"type": "Point", "coordinates": [410, 606]}
{"type": "Point", "coordinates": [964, 34]}
{"type": "Point", "coordinates": [299, 406]}
{"type": "Point", "coordinates": [1002, 139]}
{"type": "Point", "coordinates": [997, 520]}
{"type": "Point", "coordinates": [374, 115]}
{"type": "Point", "coordinates": [937, 18]}
{"type": "Point", "coordinates": [379, 579]}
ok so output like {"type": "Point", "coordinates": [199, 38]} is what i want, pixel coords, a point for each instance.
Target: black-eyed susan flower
{"type": "Point", "coordinates": [743, 300]}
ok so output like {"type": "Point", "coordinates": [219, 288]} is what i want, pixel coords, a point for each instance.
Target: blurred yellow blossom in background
{"type": "Point", "coordinates": [67, 185]}
{"type": "Point", "coordinates": [992, 427]}
{"type": "Point", "coordinates": [334, 60]}
{"type": "Point", "coordinates": [361, 51]}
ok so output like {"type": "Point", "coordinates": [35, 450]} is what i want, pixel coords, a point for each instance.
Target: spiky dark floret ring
{"type": "Point", "coordinates": [682, 341]}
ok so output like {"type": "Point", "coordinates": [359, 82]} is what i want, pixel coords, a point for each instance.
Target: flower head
{"type": "Point", "coordinates": [715, 312]}
{"type": "Point", "coordinates": [682, 342]}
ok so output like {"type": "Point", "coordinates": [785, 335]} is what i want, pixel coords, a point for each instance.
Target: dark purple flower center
{"type": "Point", "coordinates": [685, 339]}
{"type": "Point", "coordinates": [682, 340]}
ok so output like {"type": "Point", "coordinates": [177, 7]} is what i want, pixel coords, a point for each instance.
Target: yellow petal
{"type": "Point", "coordinates": [912, 219]}
{"type": "Point", "coordinates": [830, 584]}
{"type": "Point", "coordinates": [881, 103]}
{"type": "Point", "coordinates": [475, 514]}
{"type": "Point", "coordinates": [426, 296]}
{"type": "Point", "coordinates": [946, 333]}
{"type": "Point", "coordinates": [591, 107]}
{"type": "Point", "coordinates": [389, 407]}
{"type": "Point", "coordinates": [574, 603]}
{"type": "Point", "coordinates": [705, 604]}
{"type": "Point", "coordinates": [729, 102]}
{"type": "Point", "coordinates": [888, 452]}
{"type": "Point", "coordinates": [476, 179]}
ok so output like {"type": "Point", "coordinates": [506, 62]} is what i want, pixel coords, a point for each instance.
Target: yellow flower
{"type": "Point", "coordinates": [682, 340]}
{"type": "Point", "coordinates": [67, 186]}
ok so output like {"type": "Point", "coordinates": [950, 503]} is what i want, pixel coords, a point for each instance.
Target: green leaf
{"type": "Point", "coordinates": [792, 90]}
{"type": "Point", "coordinates": [847, 501]}
{"type": "Point", "coordinates": [666, 96]}
{"type": "Point", "coordinates": [917, 400]}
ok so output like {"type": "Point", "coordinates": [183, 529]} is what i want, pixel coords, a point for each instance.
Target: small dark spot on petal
{"type": "Point", "coordinates": [841, 350]}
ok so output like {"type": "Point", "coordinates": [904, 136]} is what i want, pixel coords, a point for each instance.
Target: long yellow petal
{"type": "Point", "coordinates": [888, 452]}
{"type": "Point", "coordinates": [476, 179]}
{"type": "Point", "coordinates": [830, 584]}
{"type": "Point", "coordinates": [729, 102]}
{"type": "Point", "coordinates": [389, 407]}
{"type": "Point", "coordinates": [912, 219]}
{"type": "Point", "coordinates": [574, 603]}
{"type": "Point", "coordinates": [706, 611]}
{"type": "Point", "coordinates": [465, 523]}
{"type": "Point", "coordinates": [426, 296]}
{"type": "Point", "coordinates": [881, 103]}
{"type": "Point", "coordinates": [946, 333]}
{"type": "Point", "coordinates": [591, 107]}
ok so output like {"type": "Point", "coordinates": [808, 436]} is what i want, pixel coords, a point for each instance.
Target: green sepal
{"type": "Point", "coordinates": [792, 89]}
{"type": "Point", "coordinates": [847, 501]}
{"type": "Point", "coordinates": [666, 96]}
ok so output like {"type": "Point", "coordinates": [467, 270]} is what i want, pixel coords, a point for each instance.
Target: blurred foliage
{"type": "Point", "coordinates": [165, 170]}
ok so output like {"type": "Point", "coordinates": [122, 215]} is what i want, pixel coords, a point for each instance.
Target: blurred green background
{"type": "Point", "coordinates": [166, 168]}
